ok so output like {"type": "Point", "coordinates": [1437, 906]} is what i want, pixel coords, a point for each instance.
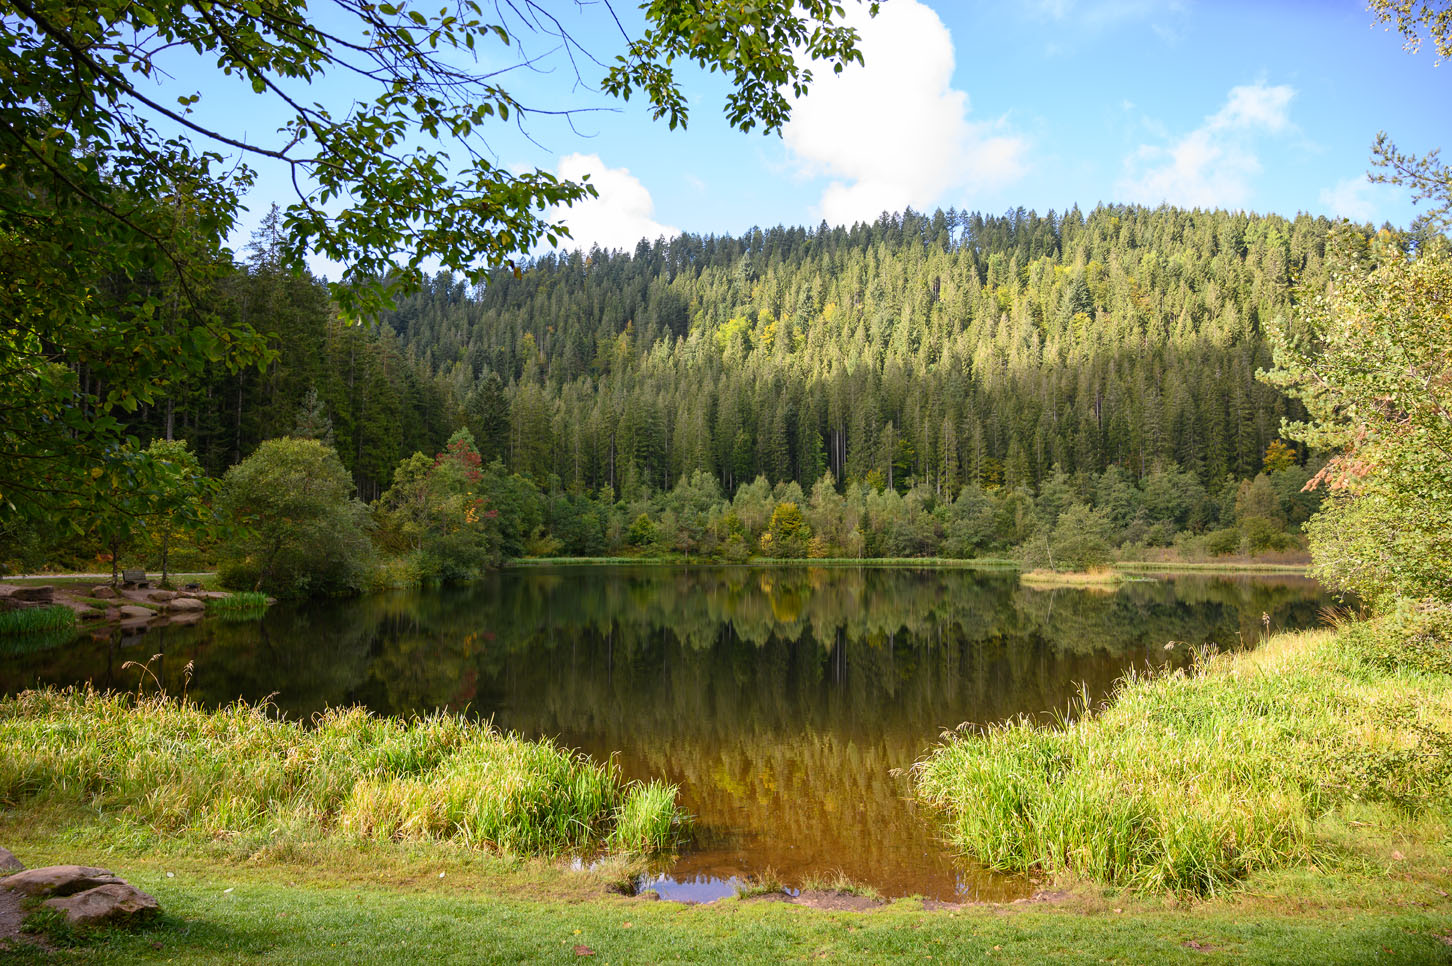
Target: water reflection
{"type": "Point", "coordinates": [781, 701]}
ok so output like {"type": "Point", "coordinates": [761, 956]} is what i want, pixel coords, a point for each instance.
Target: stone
{"type": "Point", "coordinates": [161, 596]}
{"type": "Point", "coordinates": [136, 612]}
{"type": "Point", "coordinates": [42, 594]}
{"type": "Point", "coordinates": [103, 591]}
{"type": "Point", "coordinates": [115, 902]}
{"type": "Point", "coordinates": [58, 880]}
{"type": "Point", "coordinates": [9, 863]}
{"type": "Point", "coordinates": [184, 604]}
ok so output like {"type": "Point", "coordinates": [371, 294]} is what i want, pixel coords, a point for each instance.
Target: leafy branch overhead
{"type": "Point", "coordinates": [119, 188]}
{"type": "Point", "coordinates": [377, 187]}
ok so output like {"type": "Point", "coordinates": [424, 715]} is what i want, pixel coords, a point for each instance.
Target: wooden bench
{"type": "Point", "coordinates": [135, 578]}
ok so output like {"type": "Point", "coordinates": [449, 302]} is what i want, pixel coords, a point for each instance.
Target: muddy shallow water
{"type": "Point", "coordinates": [785, 703]}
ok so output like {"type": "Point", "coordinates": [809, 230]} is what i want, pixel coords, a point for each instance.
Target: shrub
{"type": "Point", "coordinates": [297, 530]}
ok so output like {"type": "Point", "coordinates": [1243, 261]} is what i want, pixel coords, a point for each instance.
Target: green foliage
{"type": "Point", "coordinates": [1374, 370]}
{"type": "Point", "coordinates": [297, 531]}
{"type": "Point", "coordinates": [787, 534]}
{"type": "Point", "coordinates": [437, 510]}
{"type": "Point", "coordinates": [1080, 539]}
{"type": "Point", "coordinates": [143, 499]}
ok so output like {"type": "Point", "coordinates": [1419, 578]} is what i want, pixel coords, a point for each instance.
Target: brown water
{"type": "Point", "coordinates": [785, 703]}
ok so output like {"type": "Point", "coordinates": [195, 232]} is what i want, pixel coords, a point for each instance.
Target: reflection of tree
{"type": "Point", "coordinates": [778, 699]}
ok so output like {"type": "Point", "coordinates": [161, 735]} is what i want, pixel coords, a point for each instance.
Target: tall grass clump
{"type": "Point", "coordinates": [37, 620]}
{"type": "Point", "coordinates": [173, 767]}
{"type": "Point", "coordinates": [1194, 781]}
{"type": "Point", "coordinates": [648, 821]}
{"type": "Point", "coordinates": [239, 605]}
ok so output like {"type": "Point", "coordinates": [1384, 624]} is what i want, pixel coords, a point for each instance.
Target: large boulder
{"type": "Point", "coordinates": [9, 863]}
{"type": "Point", "coordinates": [58, 880]}
{"type": "Point", "coordinates": [115, 902]}
{"type": "Point", "coordinates": [184, 604]}
{"type": "Point", "coordinates": [40, 594]}
{"type": "Point", "coordinates": [135, 612]}
{"type": "Point", "coordinates": [103, 591]}
{"type": "Point", "coordinates": [161, 596]}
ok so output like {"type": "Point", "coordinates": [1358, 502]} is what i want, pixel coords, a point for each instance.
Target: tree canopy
{"type": "Point", "coordinates": [119, 189]}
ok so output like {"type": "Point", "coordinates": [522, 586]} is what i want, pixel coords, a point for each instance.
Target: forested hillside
{"type": "Point", "coordinates": [943, 349]}
{"type": "Point", "coordinates": [952, 385]}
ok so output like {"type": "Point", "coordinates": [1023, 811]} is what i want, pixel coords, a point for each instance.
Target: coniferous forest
{"type": "Point", "coordinates": [950, 384]}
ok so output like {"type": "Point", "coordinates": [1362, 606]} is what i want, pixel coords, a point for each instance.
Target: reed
{"type": "Point", "coordinates": [173, 767]}
{"type": "Point", "coordinates": [239, 605]}
{"type": "Point", "coordinates": [37, 620]}
{"type": "Point", "coordinates": [1194, 781]}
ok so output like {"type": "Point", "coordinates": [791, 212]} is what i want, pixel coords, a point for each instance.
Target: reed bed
{"type": "Point", "coordinates": [37, 620]}
{"type": "Point", "coordinates": [1193, 781]}
{"type": "Point", "coordinates": [240, 605]}
{"type": "Point", "coordinates": [175, 768]}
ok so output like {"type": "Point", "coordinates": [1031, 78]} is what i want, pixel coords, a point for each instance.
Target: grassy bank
{"type": "Point", "coordinates": [167, 766]}
{"type": "Point", "coordinates": [1255, 763]}
{"type": "Point", "coordinates": [387, 903]}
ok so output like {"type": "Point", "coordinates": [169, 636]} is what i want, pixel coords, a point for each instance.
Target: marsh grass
{"type": "Point", "coordinates": [764, 883]}
{"type": "Point", "coordinates": [1194, 781]}
{"type": "Point", "coordinates": [37, 620]}
{"type": "Point", "coordinates": [171, 767]}
{"type": "Point", "coordinates": [839, 882]}
{"type": "Point", "coordinates": [240, 605]}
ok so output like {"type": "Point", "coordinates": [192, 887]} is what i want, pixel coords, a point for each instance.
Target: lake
{"type": "Point", "coordinates": [785, 702]}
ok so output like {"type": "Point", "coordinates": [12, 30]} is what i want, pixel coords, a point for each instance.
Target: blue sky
{"type": "Point", "coordinates": [1269, 107]}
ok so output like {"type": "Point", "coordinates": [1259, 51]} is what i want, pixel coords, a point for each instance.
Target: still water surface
{"type": "Point", "coordinates": [785, 703]}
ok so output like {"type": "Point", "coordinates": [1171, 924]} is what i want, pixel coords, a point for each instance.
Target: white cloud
{"type": "Point", "coordinates": [621, 216]}
{"type": "Point", "coordinates": [1350, 198]}
{"type": "Point", "coordinates": [1213, 165]}
{"type": "Point", "coordinates": [894, 133]}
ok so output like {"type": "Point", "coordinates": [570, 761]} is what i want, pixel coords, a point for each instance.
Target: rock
{"type": "Point", "coordinates": [136, 612]}
{"type": "Point", "coordinates": [103, 591]}
{"type": "Point", "coordinates": [115, 902]}
{"type": "Point", "coordinates": [184, 604]}
{"type": "Point", "coordinates": [42, 594]}
{"type": "Point", "coordinates": [9, 863]}
{"type": "Point", "coordinates": [161, 596]}
{"type": "Point", "coordinates": [58, 880]}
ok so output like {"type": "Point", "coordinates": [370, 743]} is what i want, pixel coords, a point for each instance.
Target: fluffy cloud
{"type": "Point", "coordinates": [1349, 198]}
{"type": "Point", "coordinates": [894, 133]}
{"type": "Point", "coordinates": [621, 216]}
{"type": "Point", "coordinates": [1213, 165]}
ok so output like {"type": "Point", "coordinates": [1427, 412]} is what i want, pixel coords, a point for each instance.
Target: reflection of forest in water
{"type": "Point", "coordinates": [779, 699]}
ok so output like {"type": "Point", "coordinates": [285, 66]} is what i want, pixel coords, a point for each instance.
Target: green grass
{"type": "Point", "coordinates": [240, 605]}
{"type": "Point", "coordinates": [1196, 781]}
{"type": "Point", "coordinates": [171, 767]}
{"type": "Point", "coordinates": [37, 620]}
{"type": "Point", "coordinates": [386, 903]}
